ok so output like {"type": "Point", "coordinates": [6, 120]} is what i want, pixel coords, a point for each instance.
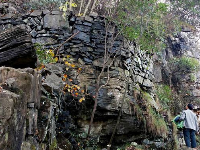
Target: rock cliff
{"type": "Point", "coordinates": [38, 112]}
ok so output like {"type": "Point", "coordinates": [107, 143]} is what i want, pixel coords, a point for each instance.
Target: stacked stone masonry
{"type": "Point", "coordinates": [49, 28]}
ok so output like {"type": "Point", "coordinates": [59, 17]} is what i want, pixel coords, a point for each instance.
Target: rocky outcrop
{"type": "Point", "coordinates": [185, 44]}
{"type": "Point", "coordinates": [16, 49]}
{"type": "Point", "coordinates": [178, 67]}
{"type": "Point", "coordinates": [19, 102]}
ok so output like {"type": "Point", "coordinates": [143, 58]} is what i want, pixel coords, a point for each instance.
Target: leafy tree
{"type": "Point", "coordinates": [144, 22]}
{"type": "Point", "coordinates": [186, 10]}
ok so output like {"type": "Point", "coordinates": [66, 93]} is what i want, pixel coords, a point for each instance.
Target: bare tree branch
{"type": "Point", "coordinates": [66, 42]}
{"type": "Point", "coordinates": [86, 8]}
{"type": "Point", "coordinates": [98, 87]}
{"type": "Point", "coordinates": [79, 13]}
{"type": "Point", "coordinates": [120, 114]}
{"type": "Point", "coordinates": [93, 6]}
{"type": "Point", "coordinates": [70, 5]}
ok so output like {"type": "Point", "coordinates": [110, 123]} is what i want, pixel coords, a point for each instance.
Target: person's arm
{"type": "Point", "coordinates": [182, 116]}
{"type": "Point", "coordinates": [197, 125]}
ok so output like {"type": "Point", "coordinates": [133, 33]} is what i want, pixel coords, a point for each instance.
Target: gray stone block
{"type": "Point", "coordinates": [56, 12]}
{"type": "Point", "coordinates": [89, 19]}
{"type": "Point", "coordinates": [36, 13]}
{"type": "Point", "coordinates": [83, 37]}
{"type": "Point", "coordinates": [46, 11]}
{"type": "Point", "coordinates": [55, 21]}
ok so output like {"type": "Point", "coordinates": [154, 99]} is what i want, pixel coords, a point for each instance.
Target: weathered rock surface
{"type": "Point", "coordinates": [184, 44]}
{"type": "Point", "coordinates": [19, 101]}
{"type": "Point", "coordinates": [16, 49]}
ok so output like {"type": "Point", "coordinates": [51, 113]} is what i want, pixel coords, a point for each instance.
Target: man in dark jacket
{"type": "Point", "coordinates": [190, 126]}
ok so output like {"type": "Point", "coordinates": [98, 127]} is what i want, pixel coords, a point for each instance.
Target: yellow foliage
{"type": "Point", "coordinates": [76, 94]}
{"type": "Point", "coordinates": [72, 65]}
{"type": "Point", "coordinates": [52, 54]}
{"type": "Point", "coordinates": [56, 59]}
{"type": "Point", "coordinates": [67, 63]}
{"type": "Point", "coordinates": [64, 15]}
{"type": "Point", "coordinates": [41, 67]}
{"type": "Point", "coordinates": [65, 76]}
{"type": "Point", "coordinates": [81, 14]}
{"type": "Point", "coordinates": [65, 6]}
{"type": "Point", "coordinates": [74, 90]}
{"type": "Point", "coordinates": [73, 5]}
{"type": "Point", "coordinates": [67, 86]}
{"type": "Point", "coordinates": [50, 51]}
{"type": "Point", "coordinates": [82, 99]}
{"type": "Point", "coordinates": [76, 86]}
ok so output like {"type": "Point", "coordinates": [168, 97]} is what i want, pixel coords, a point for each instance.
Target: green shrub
{"type": "Point", "coordinates": [53, 145]}
{"type": "Point", "coordinates": [164, 94]}
{"type": "Point", "coordinates": [45, 56]}
{"type": "Point", "coordinates": [186, 64]}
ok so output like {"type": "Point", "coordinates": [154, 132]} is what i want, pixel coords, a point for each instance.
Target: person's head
{"type": "Point", "coordinates": [189, 106]}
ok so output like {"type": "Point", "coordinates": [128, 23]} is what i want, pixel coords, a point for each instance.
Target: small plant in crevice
{"type": "Point", "coordinates": [193, 77]}
{"type": "Point", "coordinates": [48, 56]}
{"type": "Point", "coordinates": [53, 145]}
{"type": "Point", "coordinates": [156, 123]}
{"type": "Point", "coordinates": [72, 86]}
{"type": "Point", "coordinates": [165, 95]}
{"type": "Point", "coordinates": [67, 5]}
{"type": "Point", "coordinates": [151, 118]}
{"type": "Point", "coordinates": [45, 56]}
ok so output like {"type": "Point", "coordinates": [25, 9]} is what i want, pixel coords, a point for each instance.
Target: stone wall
{"type": "Point", "coordinates": [50, 29]}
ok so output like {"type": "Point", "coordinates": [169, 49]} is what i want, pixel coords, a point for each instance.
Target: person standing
{"type": "Point", "coordinates": [190, 126]}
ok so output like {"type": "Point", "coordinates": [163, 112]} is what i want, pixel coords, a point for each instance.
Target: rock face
{"type": "Point", "coordinates": [16, 49]}
{"type": "Point", "coordinates": [61, 115]}
{"type": "Point", "coordinates": [19, 101]}
{"type": "Point", "coordinates": [186, 82]}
